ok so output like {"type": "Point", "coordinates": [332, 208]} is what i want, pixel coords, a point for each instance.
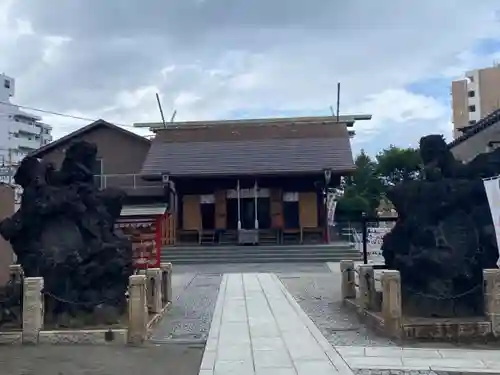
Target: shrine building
{"type": "Point", "coordinates": [250, 181]}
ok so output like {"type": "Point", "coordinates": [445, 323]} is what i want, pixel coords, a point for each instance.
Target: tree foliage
{"type": "Point", "coordinates": [396, 165]}
{"type": "Point", "coordinates": [363, 190]}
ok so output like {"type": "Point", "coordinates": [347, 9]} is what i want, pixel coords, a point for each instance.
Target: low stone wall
{"type": "Point", "coordinates": [150, 296]}
{"type": "Point", "coordinates": [383, 310]}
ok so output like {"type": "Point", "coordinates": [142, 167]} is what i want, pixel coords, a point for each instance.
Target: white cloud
{"type": "Point", "coordinates": [399, 106]}
{"type": "Point", "coordinates": [214, 59]}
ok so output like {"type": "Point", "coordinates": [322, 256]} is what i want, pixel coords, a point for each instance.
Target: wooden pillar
{"type": "Point", "coordinates": [277, 220]}
{"type": "Point", "coordinates": [220, 209]}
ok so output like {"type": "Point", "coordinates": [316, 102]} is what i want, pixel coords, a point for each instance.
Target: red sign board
{"type": "Point", "coordinates": [145, 235]}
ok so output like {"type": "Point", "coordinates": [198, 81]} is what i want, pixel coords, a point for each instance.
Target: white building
{"type": "Point", "coordinates": [20, 132]}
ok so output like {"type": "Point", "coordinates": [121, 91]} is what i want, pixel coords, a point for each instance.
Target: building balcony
{"type": "Point", "coordinates": [24, 127]}
{"type": "Point", "coordinates": [27, 143]}
{"type": "Point", "coordinates": [133, 184]}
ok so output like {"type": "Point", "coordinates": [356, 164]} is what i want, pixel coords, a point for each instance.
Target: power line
{"type": "Point", "coordinates": [58, 114]}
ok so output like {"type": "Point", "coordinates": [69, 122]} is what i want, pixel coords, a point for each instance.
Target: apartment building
{"type": "Point", "coordinates": [20, 132]}
{"type": "Point", "coordinates": [475, 97]}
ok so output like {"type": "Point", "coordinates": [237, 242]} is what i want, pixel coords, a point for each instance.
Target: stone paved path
{"type": "Point", "coordinates": [258, 328]}
{"type": "Point", "coordinates": [195, 289]}
{"type": "Point", "coordinates": [421, 359]}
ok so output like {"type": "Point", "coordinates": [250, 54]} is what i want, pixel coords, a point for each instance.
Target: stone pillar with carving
{"type": "Point", "coordinates": [166, 286]}
{"type": "Point", "coordinates": [366, 295]}
{"type": "Point", "coordinates": [348, 279]}
{"type": "Point", "coordinates": [492, 298]}
{"type": "Point", "coordinates": [33, 309]}
{"type": "Point", "coordinates": [154, 287]}
{"type": "Point", "coordinates": [137, 310]}
{"type": "Point", "coordinates": [392, 311]}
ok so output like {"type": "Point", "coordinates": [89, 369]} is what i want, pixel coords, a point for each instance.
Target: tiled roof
{"type": "Point", "coordinates": [250, 150]}
{"type": "Point", "coordinates": [490, 120]}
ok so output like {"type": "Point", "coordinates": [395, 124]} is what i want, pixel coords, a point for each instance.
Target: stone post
{"type": "Point", "coordinates": [16, 272]}
{"type": "Point", "coordinates": [348, 279]}
{"type": "Point", "coordinates": [137, 310]}
{"type": "Point", "coordinates": [33, 308]}
{"type": "Point", "coordinates": [391, 303]}
{"type": "Point", "coordinates": [366, 294]}
{"type": "Point", "coordinates": [166, 283]}
{"type": "Point", "coordinates": [492, 298]}
{"type": "Point", "coordinates": [154, 297]}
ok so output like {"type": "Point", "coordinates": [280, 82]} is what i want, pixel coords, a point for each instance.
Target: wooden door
{"type": "Point", "coordinates": [308, 210]}
{"type": "Point", "coordinates": [277, 208]}
{"type": "Point", "coordinates": [220, 210]}
{"type": "Point", "coordinates": [191, 212]}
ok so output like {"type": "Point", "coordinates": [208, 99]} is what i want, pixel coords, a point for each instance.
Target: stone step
{"type": "Point", "coordinates": [259, 254]}
{"type": "Point", "coordinates": [259, 260]}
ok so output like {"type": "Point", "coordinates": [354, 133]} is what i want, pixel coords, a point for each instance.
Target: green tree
{"type": "Point", "coordinates": [395, 165]}
{"type": "Point", "coordinates": [361, 190]}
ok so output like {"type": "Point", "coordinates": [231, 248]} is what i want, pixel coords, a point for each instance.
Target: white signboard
{"type": "Point", "coordinates": [374, 244]}
{"type": "Point", "coordinates": [492, 188]}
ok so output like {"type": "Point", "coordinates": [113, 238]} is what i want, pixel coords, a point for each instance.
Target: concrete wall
{"type": "Point", "coordinates": [6, 209]}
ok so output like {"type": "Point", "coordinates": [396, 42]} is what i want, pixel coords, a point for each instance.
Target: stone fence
{"type": "Point", "coordinates": [383, 310]}
{"type": "Point", "coordinates": [149, 296]}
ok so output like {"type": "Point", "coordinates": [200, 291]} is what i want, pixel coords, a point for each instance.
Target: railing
{"type": "Point", "coordinates": [125, 181]}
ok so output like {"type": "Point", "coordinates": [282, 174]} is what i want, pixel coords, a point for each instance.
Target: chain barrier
{"type": "Point", "coordinates": [443, 298]}
{"type": "Point", "coordinates": [76, 303]}
{"type": "Point", "coordinates": [415, 292]}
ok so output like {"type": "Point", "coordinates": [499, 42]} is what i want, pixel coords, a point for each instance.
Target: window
{"type": "Point", "coordinates": [472, 122]}
{"type": "Point", "coordinates": [6, 83]}
{"type": "Point", "coordinates": [471, 94]}
{"type": "Point", "coordinates": [472, 108]}
{"type": "Point", "coordinates": [471, 78]}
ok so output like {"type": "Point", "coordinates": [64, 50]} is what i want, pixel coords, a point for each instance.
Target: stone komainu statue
{"type": "Point", "coordinates": [444, 236]}
{"type": "Point", "coordinates": [64, 232]}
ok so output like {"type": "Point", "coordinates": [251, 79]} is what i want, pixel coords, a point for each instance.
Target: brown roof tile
{"type": "Point", "coordinates": [250, 149]}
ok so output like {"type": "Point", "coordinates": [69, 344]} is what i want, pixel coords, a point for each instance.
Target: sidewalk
{"type": "Point", "coordinates": [259, 329]}
{"type": "Point", "coordinates": [410, 359]}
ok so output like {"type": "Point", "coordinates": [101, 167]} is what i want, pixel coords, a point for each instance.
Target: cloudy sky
{"type": "Point", "coordinates": [215, 59]}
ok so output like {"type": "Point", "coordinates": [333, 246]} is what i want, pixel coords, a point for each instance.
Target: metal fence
{"type": "Point", "coordinates": [366, 235]}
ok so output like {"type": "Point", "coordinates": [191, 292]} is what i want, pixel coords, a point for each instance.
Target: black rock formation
{"type": "Point", "coordinates": [444, 236]}
{"type": "Point", "coordinates": [64, 232]}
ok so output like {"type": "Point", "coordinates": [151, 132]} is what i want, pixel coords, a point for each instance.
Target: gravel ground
{"type": "Point", "coordinates": [319, 295]}
{"type": "Point", "coordinates": [190, 315]}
